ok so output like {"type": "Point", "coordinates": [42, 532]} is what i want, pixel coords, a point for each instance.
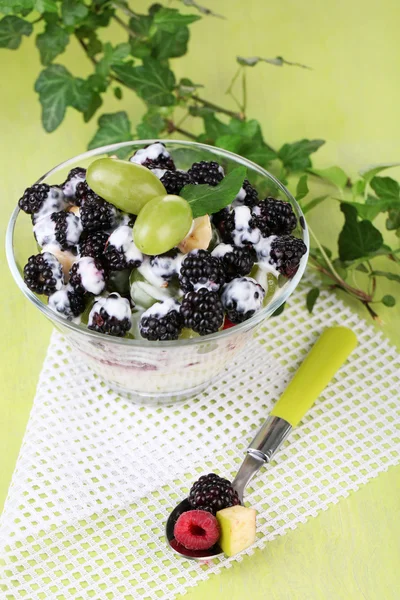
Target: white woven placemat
{"type": "Point", "coordinates": [97, 476]}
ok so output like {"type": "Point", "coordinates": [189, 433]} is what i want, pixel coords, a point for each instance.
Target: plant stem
{"type": "Point", "coordinates": [82, 43]}
{"type": "Point", "coordinates": [125, 9]}
{"type": "Point", "coordinates": [37, 20]}
{"type": "Point", "coordinates": [171, 127]}
{"type": "Point", "coordinates": [339, 283]}
{"type": "Point", "coordinates": [219, 109]}
{"type": "Point", "coordinates": [130, 32]}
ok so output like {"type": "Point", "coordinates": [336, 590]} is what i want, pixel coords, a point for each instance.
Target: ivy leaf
{"type": "Point", "coordinates": [313, 203]}
{"type": "Point", "coordinates": [166, 45]}
{"type": "Point", "coordinates": [118, 92]}
{"type": "Point", "coordinates": [206, 199]}
{"type": "Point", "coordinates": [357, 239]}
{"type": "Point", "coordinates": [111, 56]}
{"type": "Point", "coordinates": [153, 82]}
{"type": "Point", "coordinates": [51, 42]}
{"type": "Point", "coordinates": [44, 6]}
{"type": "Point", "coordinates": [358, 187]}
{"type": "Point", "coordinates": [302, 188]}
{"type": "Point", "coordinates": [93, 106]}
{"type": "Point", "coordinates": [171, 20]}
{"type": "Point", "coordinates": [393, 220]}
{"type": "Point", "coordinates": [186, 87]}
{"type": "Point", "coordinates": [73, 12]}
{"type": "Point", "coordinates": [370, 172]}
{"type": "Point", "coordinates": [113, 128]}
{"type": "Point", "coordinates": [9, 7]}
{"type": "Point", "coordinates": [312, 297]}
{"type": "Point", "coordinates": [151, 126]}
{"type": "Point", "coordinates": [386, 187]}
{"type": "Point", "coordinates": [389, 300]}
{"type": "Point", "coordinates": [11, 31]}
{"type": "Point", "coordinates": [296, 156]}
{"type": "Point", "coordinates": [214, 128]}
{"type": "Point", "coordinates": [334, 175]}
{"type": "Point", "coordinates": [245, 138]}
{"type": "Point", "coordinates": [387, 274]}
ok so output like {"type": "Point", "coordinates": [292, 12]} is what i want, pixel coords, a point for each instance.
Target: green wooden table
{"type": "Point", "coordinates": [349, 552]}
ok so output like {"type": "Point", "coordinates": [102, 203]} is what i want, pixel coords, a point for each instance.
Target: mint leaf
{"type": "Point", "coordinates": [11, 31]}
{"type": "Point", "coordinates": [206, 200]}
{"type": "Point", "coordinates": [51, 42]}
{"type": "Point", "coordinates": [386, 187]}
{"type": "Point", "coordinates": [311, 299]}
{"type": "Point", "coordinates": [170, 19]}
{"type": "Point", "coordinates": [73, 12]}
{"type": "Point", "coordinates": [389, 300]}
{"type": "Point", "coordinates": [334, 175]}
{"type": "Point", "coordinates": [113, 128]}
{"type": "Point", "coordinates": [296, 156]}
{"type": "Point", "coordinates": [387, 274]}
{"type": "Point", "coordinates": [370, 172]}
{"type": "Point", "coordinates": [302, 188]}
{"type": "Point", "coordinates": [357, 239]}
{"type": "Point", "coordinates": [153, 82]}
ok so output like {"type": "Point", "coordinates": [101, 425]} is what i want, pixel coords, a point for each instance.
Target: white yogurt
{"type": "Point", "coordinates": [263, 250]}
{"type": "Point", "coordinates": [244, 294]}
{"type": "Point", "coordinates": [44, 231]}
{"type": "Point", "coordinates": [121, 238]}
{"type": "Point", "coordinates": [152, 152]}
{"type": "Point", "coordinates": [243, 233]}
{"type": "Point", "coordinates": [238, 201]}
{"type": "Point", "coordinates": [222, 249]}
{"type": "Point", "coordinates": [114, 305]}
{"type": "Point", "coordinates": [165, 267]}
{"type": "Point", "coordinates": [159, 172]}
{"type": "Point", "coordinates": [56, 269]}
{"type": "Point", "coordinates": [54, 202]}
{"type": "Point", "coordinates": [161, 309]}
{"type": "Point", "coordinates": [74, 229]}
{"type": "Point", "coordinates": [92, 279]}
{"type": "Point", "coordinates": [69, 187]}
{"type": "Point", "coordinates": [147, 271]}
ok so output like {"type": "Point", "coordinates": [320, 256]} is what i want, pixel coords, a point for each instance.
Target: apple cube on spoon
{"type": "Point", "coordinates": [238, 528]}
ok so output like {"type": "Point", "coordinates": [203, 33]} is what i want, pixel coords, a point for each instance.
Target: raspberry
{"type": "Point", "coordinates": [212, 493]}
{"type": "Point", "coordinates": [208, 172]}
{"type": "Point", "coordinates": [202, 311]}
{"type": "Point", "coordinates": [247, 196]}
{"type": "Point", "coordinates": [285, 255]}
{"type": "Point", "coordinates": [88, 275]}
{"type": "Point", "coordinates": [241, 298]}
{"type": "Point", "coordinates": [67, 229]}
{"type": "Point", "coordinates": [67, 302]}
{"type": "Point", "coordinates": [161, 321]}
{"type": "Point", "coordinates": [121, 252]}
{"type": "Point", "coordinates": [97, 214]}
{"type": "Point", "coordinates": [274, 217]}
{"type": "Point", "coordinates": [43, 274]}
{"type": "Point", "coordinates": [240, 227]}
{"type": "Point", "coordinates": [174, 181]}
{"type": "Point", "coordinates": [154, 156]}
{"type": "Point", "coordinates": [201, 269]}
{"type": "Point", "coordinates": [94, 244]}
{"type": "Point", "coordinates": [42, 199]}
{"type": "Point", "coordinates": [196, 530]}
{"type": "Point", "coordinates": [111, 316]}
{"type": "Point", "coordinates": [75, 176]}
{"type": "Point", "coordinates": [236, 261]}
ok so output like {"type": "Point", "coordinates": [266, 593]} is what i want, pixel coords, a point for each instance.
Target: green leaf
{"type": "Point", "coordinates": [45, 6]}
{"type": "Point", "coordinates": [186, 87]}
{"type": "Point", "coordinates": [386, 188]}
{"type": "Point", "coordinates": [205, 199]}
{"type": "Point", "coordinates": [111, 56]}
{"type": "Point", "coordinates": [361, 267]}
{"type": "Point", "coordinates": [387, 274]}
{"type": "Point", "coordinates": [358, 188]}
{"type": "Point", "coordinates": [151, 126]}
{"type": "Point", "coordinates": [279, 310]}
{"type": "Point", "coordinates": [302, 188]}
{"type": "Point", "coordinates": [171, 20]}
{"type": "Point", "coordinates": [278, 61]}
{"type": "Point", "coordinates": [357, 239]}
{"type": "Point", "coordinates": [370, 172]}
{"type": "Point", "coordinates": [296, 156]}
{"type": "Point", "coordinates": [9, 7]}
{"type": "Point", "coordinates": [11, 31]}
{"type": "Point", "coordinates": [113, 128]}
{"type": "Point", "coordinates": [166, 45]}
{"type": "Point", "coordinates": [313, 203]}
{"type": "Point", "coordinates": [93, 106]}
{"type": "Point", "coordinates": [389, 300]}
{"type": "Point", "coordinates": [73, 12]}
{"type": "Point", "coordinates": [153, 82]}
{"type": "Point", "coordinates": [51, 42]}
{"type": "Point", "coordinates": [312, 297]}
{"type": "Point", "coordinates": [393, 220]}
{"type": "Point", "coordinates": [118, 93]}
{"type": "Point", "coordinates": [366, 211]}
{"type": "Point", "coordinates": [334, 175]}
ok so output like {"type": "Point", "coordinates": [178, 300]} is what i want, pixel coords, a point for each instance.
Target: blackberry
{"type": "Point", "coordinates": [121, 252]}
{"type": "Point", "coordinates": [93, 244]}
{"type": "Point", "coordinates": [162, 321]}
{"type": "Point", "coordinates": [43, 274]}
{"type": "Point", "coordinates": [84, 194]}
{"type": "Point", "coordinates": [240, 227]}
{"type": "Point", "coordinates": [75, 177]}
{"type": "Point", "coordinates": [202, 311]}
{"type": "Point", "coordinates": [42, 199]}
{"type": "Point", "coordinates": [67, 302]}
{"type": "Point", "coordinates": [201, 269]}
{"type": "Point", "coordinates": [154, 156]}
{"type": "Point", "coordinates": [236, 261]}
{"type": "Point", "coordinates": [274, 217]}
{"type": "Point", "coordinates": [67, 229]}
{"type": "Point", "coordinates": [218, 219]}
{"type": "Point", "coordinates": [88, 275]}
{"type": "Point", "coordinates": [212, 493]}
{"type": "Point", "coordinates": [97, 214]}
{"type": "Point", "coordinates": [208, 172]}
{"type": "Point", "coordinates": [247, 196]}
{"type": "Point", "coordinates": [242, 298]}
{"type": "Point", "coordinates": [111, 316]}
{"type": "Point", "coordinates": [174, 181]}
{"type": "Point", "coordinates": [285, 254]}
{"type": "Point", "coordinates": [166, 265]}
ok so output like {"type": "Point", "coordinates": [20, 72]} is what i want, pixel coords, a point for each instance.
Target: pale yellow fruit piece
{"type": "Point", "coordinates": [65, 257]}
{"type": "Point", "coordinates": [238, 528]}
{"type": "Point", "coordinates": [199, 237]}
{"type": "Point", "coordinates": [75, 210]}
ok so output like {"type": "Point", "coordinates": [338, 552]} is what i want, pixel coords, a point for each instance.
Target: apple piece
{"type": "Point", "coordinates": [238, 528]}
{"type": "Point", "coordinates": [199, 237]}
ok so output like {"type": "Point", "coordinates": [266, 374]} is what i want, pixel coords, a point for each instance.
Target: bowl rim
{"type": "Point", "coordinates": [219, 335]}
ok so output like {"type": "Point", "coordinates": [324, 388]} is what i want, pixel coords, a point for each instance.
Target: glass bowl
{"type": "Point", "coordinates": [144, 371]}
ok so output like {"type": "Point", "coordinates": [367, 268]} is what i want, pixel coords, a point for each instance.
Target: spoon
{"type": "Point", "coordinates": [318, 368]}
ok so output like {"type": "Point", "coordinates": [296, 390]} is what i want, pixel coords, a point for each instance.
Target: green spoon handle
{"type": "Point", "coordinates": [318, 368]}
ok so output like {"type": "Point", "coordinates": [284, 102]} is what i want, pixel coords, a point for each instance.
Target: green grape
{"type": "Point", "coordinates": [145, 294]}
{"type": "Point", "coordinates": [187, 334]}
{"type": "Point", "coordinates": [267, 280]}
{"type": "Point", "coordinates": [162, 224]}
{"type": "Point", "coordinates": [126, 185]}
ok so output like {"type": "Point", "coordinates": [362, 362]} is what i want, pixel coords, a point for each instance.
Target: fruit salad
{"type": "Point", "coordinates": [141, 249]}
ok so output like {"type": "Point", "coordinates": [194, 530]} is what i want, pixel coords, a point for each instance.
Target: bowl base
{"type": "Point", "coordinates": [157, 398]}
